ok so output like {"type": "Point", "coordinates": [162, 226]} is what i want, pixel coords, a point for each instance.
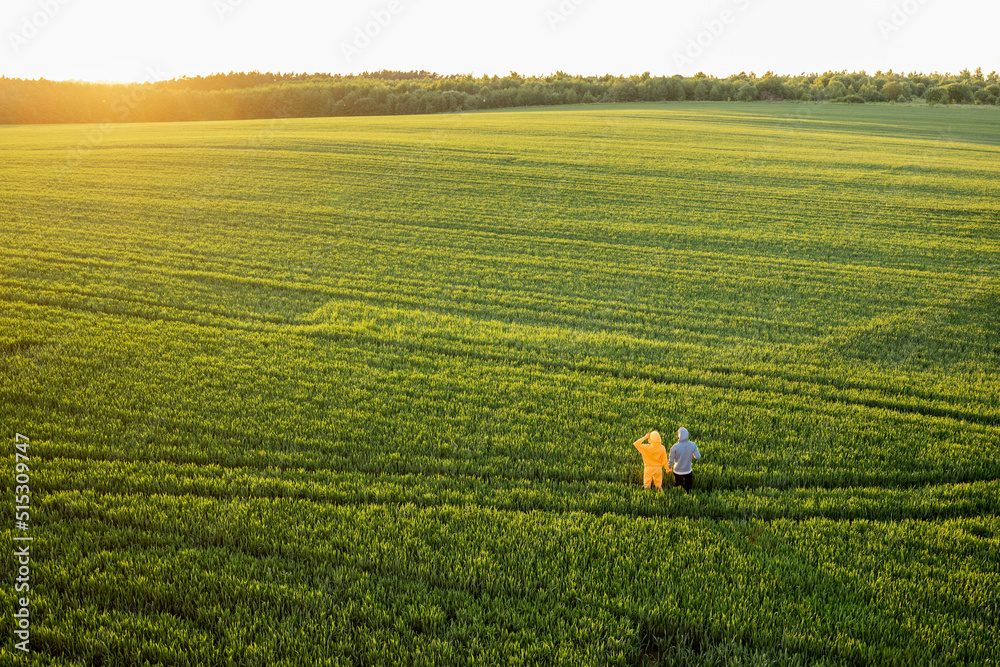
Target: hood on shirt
{"type": "Point", "coordinates": [682, 434]}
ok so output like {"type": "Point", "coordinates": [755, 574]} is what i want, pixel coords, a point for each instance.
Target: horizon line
{"type": "Point", "coordinates": [512, 73]}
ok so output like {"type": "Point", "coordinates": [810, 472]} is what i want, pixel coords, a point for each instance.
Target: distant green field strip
{"type": "Point", "coordinates": [229, 436]}
{"type": "Point", "coordinates": [736, 462]}
{"type": "Point", "coordinates": [796, 389]}
{"type": "Point", "coordinates": [509, 346]}
{"type": "Point", "coordinates": [347, 487]}
{"type": "Point", "coordinates": [783, 277]}
{"type": "Point", "coordinates": [632, 261]}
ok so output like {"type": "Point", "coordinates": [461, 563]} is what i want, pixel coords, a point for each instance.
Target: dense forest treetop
{"type": "Point", "coordinates": [244, 95]}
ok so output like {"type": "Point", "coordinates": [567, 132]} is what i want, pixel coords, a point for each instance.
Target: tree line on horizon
{"type": "Point", "coordinates": [249, 95]}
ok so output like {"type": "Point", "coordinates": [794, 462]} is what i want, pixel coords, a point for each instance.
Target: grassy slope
{"type": "Point", "coordinates": [273, 369]}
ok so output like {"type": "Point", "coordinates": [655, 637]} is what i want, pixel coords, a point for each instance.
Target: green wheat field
{"type": "Point", "coordinates": [363, 391]}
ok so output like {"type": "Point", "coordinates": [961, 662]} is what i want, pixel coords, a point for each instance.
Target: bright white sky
{"type": "Point", "coordinates": [129, 40]}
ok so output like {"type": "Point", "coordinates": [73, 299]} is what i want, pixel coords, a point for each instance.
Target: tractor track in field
{"type": "Point", "coordinates": [873, 403]}
{"type": "Point", "coordinates": [719, 379]}
{"type": "Point", "coordinates": [377, 469]}
{"type": "Point", "coordinates": [681, 507]}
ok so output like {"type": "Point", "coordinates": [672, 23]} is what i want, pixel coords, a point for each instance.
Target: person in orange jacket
{"type": "Point", "coordinates": [654, 458]}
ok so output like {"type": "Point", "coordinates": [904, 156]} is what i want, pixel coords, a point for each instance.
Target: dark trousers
{"type": "Point", "coordinates": [687, 481]}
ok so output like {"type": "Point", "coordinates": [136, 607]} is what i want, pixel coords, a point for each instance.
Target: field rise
{"type": "Point", "coordinates": [363, 390]}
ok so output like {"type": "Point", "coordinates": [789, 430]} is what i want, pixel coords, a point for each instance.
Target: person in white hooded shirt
{"type": "Point", "coordinates": [681, 455]}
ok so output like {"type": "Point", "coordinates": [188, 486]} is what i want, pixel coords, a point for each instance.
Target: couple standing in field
{"type": "Point", "coordinates": [654, 458]}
